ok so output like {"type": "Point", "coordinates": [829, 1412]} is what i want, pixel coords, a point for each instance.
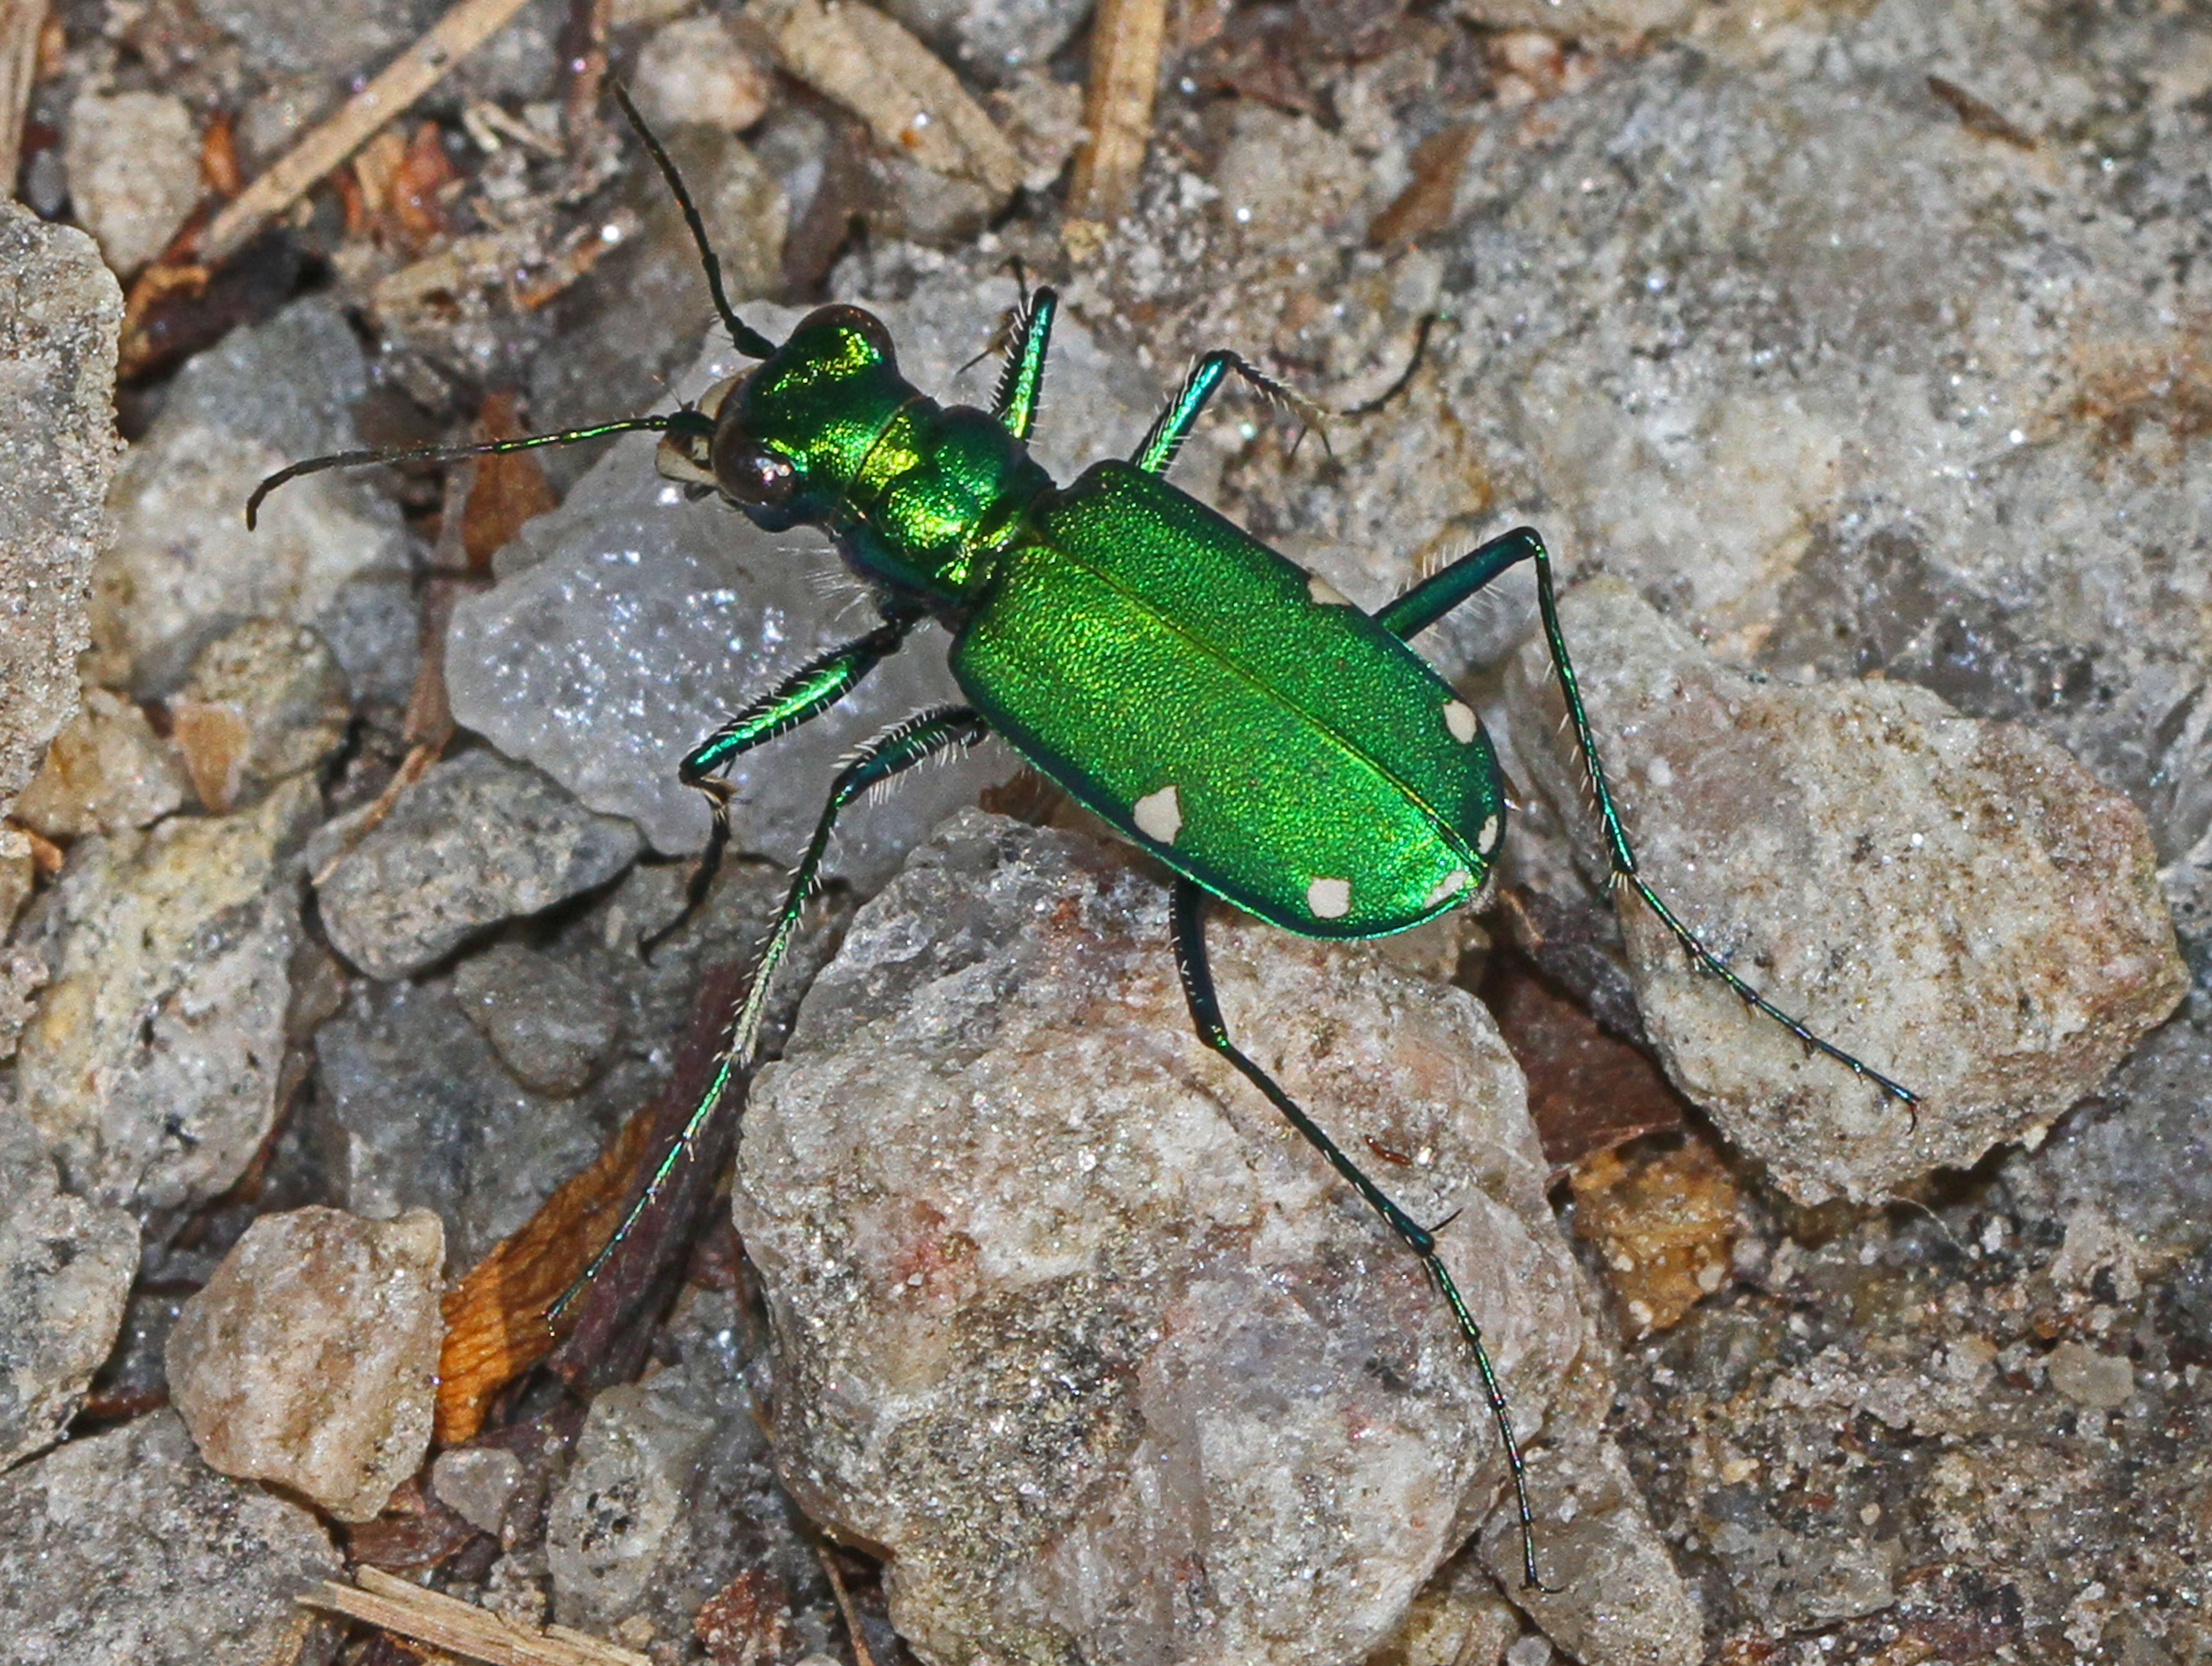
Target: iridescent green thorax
{"type": "Point", "coordinates": [915, 493]}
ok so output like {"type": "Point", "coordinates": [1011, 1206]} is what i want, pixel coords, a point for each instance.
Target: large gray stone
{"type": "Point", "coordinates": [65, 1268]}
{"type": "Point", "coordinates": [477, 840]}
{"type": "Point", "coordinates": [151, 1066]}
{"type": "Point", "coordinates": [1103, 1355]}
{"type": "Point", "coordinates": [125, 1549]}
{"type": "Point", "coordinates": [60, 311]}
{"type": "Point", "coordinates": [1955, 903]}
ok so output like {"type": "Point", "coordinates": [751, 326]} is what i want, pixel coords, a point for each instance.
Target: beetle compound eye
{"type": "Point", "coordinates": [753, 473]}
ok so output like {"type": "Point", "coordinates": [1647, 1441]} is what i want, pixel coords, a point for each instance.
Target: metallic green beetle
{"type": "Point", "coordinates": [1217, 704]}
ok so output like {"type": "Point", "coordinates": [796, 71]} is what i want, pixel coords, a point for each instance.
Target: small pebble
{"type": "Point", "coordinates": [134, 172]}
{"type": "Point", "coordinates": [65, 1268]}
{"type": "Point", "coordinates": [694, 70]}
{"type": "Point", "coordinates": [311, 1357]}
{"type": "Point", "coordinates": [106, 770]}
{"type": "Point", "coordinates": [477, 1482]}
{"type": "Point", "coordinates": [263, 700]}
{"type": "Point", "coordinates": [477, 840]}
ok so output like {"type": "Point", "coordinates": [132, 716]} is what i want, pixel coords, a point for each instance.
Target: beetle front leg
{"type": "Point", "coordinates": [808, 692]}
{"type": "Point", "coordinates": [1187, 912]}
{"type": "Point", "coordinates": [1021, 383]}
{"type": "Point", "coordinates": [1436, 596]}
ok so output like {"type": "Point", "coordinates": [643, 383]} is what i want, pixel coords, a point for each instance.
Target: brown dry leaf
{"type": "Point", "coordinates": [415, 1530]}
{"type": "Point", "coordinates": [1664, 1226]}
{"type": "Point", "coordinates": [212, 739]}
{"type": "Point", "coordinates": [157, 283]}
{"type": "Point", "coordinates": [856, 57]}
{"type": "Point", "coordinates": [506, 491]}
{"type": "Point", "coordinates": [1425, 203]}
{"type": "Point", "coordinates": [413, 199]}
{"type": "Point", "coordinates": [1587, 1092]}
{"type": "Point", "coordinates": [495, 1326]}
{"type": "Point", "coordinates": [219, 167]}
{"type": "Point", "coordinates": [748, 1621]}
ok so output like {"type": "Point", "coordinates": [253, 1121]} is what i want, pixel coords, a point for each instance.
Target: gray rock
{"type": "Point", "coordinates": [183, 568]}
{"type": "Point", "coordinates": [477, 840]}
{"type": "Point", "coordinates": [1576, 20]}
{"type": "Point", "coordinates": [263, 700]}
{"type": "Point", "coordinates": [1621, 1602]}
{"type": "Point", "coordinates": [134, 172]}
{"type": "Point", "coordinates": [337, 41]}
{"type": "Point", "coordinates": [544, 1017]}
{"type": "Point", "coordinates": [2142, 1158]}
{"type": "Point", "coordinates": [416, 1111]}
{"type": "Point", "coordinates": [642, 620]}
{"type": "Point", "coordinates": [65, 1268]}
{"type": "Point", "coordinates": [417, 1107]}
{"type": "Point", "coordinates": [693, 70]}
{"type": "Point", "coordinates": [478, 1483]}
{"type": "Point", "coordinates": [996, 40]}
{"type": "Point", "coordinates": [1956, 902]}
{"type": "Point", "coordinates": [123, 1549]}
{"type": "Point", "coordinates": [151, 1066]}
{"type": "Point", "coordinates": [672, 1493]}
{"type": "Point", "coordinates": [105, 771]}
{"type": "Point", "coordinates": [1699, 337]}
{"type": "Point", "coordinates": [311, 1358]}
{"type": "Point", "coordinates": [1070, 1321]}
{"type": "Point", "coordinates": [60, 311]}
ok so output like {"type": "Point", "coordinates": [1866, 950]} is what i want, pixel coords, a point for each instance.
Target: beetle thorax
{"type": "Point", "coordinates": [825, 432]}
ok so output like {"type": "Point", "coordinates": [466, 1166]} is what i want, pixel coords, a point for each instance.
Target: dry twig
{"type": "Point", "coordinates": [407, 78]}
{"type": "Point", "coordinates": [21, 20]}
{"type": "Point", "coordinates": [446, 1622]}
{"type": "Point", "coordinates": [1125, 72]}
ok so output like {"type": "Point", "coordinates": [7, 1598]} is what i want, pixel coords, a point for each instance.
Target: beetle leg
{"type": "Point", "coordinates": [1022, 381]}
{"type": "Point", "coordinates": [808, 692]}
{"type": "Point", "coordinates": [1436, 596]}
{"type": "Point", "coordinates": [1173, 425]}
{"type": "Point", "coordinates": [891, 753]}
{"type": "Point", "coordinates": [1188, 915]}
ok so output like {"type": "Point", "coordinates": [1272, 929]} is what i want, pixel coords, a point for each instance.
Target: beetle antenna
{"type": "Point", "coordinates": [678, 421]}
{"type": "Point", "coordinates": [747, 340]}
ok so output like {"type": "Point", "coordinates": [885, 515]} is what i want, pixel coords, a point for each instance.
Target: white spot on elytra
{"type": "Point", "coordinates": [1450, 885]}
{"type": "Point", "coordinates": [1486, 834]}
{"type": "Point", "coordinates": [1329, 899]}
{"type": "Point", "coordinates": [1459, 718]}
{"type": "Point", "coordinates": [1324, 593]}
{"type": "Point", "coordinates": [1160, 815]}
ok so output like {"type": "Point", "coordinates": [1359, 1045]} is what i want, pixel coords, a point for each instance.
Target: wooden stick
{"type": "Point", "coordinates": [407, 78]}
{"type": "Point", "coordinates": [1126, 42]}
{"type": "Point", "coordinates": [408, 1610]}
{"type": "Point", "coordinates": [21, 20]}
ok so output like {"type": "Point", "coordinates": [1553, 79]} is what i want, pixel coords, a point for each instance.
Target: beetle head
{"type": "Point", "coordinates": [782, 440]}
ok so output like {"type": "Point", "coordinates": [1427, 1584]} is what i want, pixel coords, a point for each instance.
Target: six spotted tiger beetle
{"type": "Point", "coordinates": [1295, 757]}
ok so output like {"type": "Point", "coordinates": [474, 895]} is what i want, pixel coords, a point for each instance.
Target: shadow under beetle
{"type": "Point", "coordinates": [1217, 705]}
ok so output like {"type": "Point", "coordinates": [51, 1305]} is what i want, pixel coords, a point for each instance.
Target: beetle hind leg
{"type": "Point", "coordinates": [1188, 915]}
{"type": "Point", "coordinates": [1436, 596]}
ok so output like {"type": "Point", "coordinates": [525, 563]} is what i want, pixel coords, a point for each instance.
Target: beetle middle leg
{"type": "Point", "coordinates": [1173, 425]}
{"type": "Point", "coordinates": [1189, 917]}
{"type": "Point", "coordinates": [891, 753]}
{"type": "Point", "coordinates": [808, 692]}
{"type": "Point", "coordinates": [1436, 596]}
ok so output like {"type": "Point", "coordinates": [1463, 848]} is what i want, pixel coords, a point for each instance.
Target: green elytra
{"type": "Point", "coordinates": [1215, 704]}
